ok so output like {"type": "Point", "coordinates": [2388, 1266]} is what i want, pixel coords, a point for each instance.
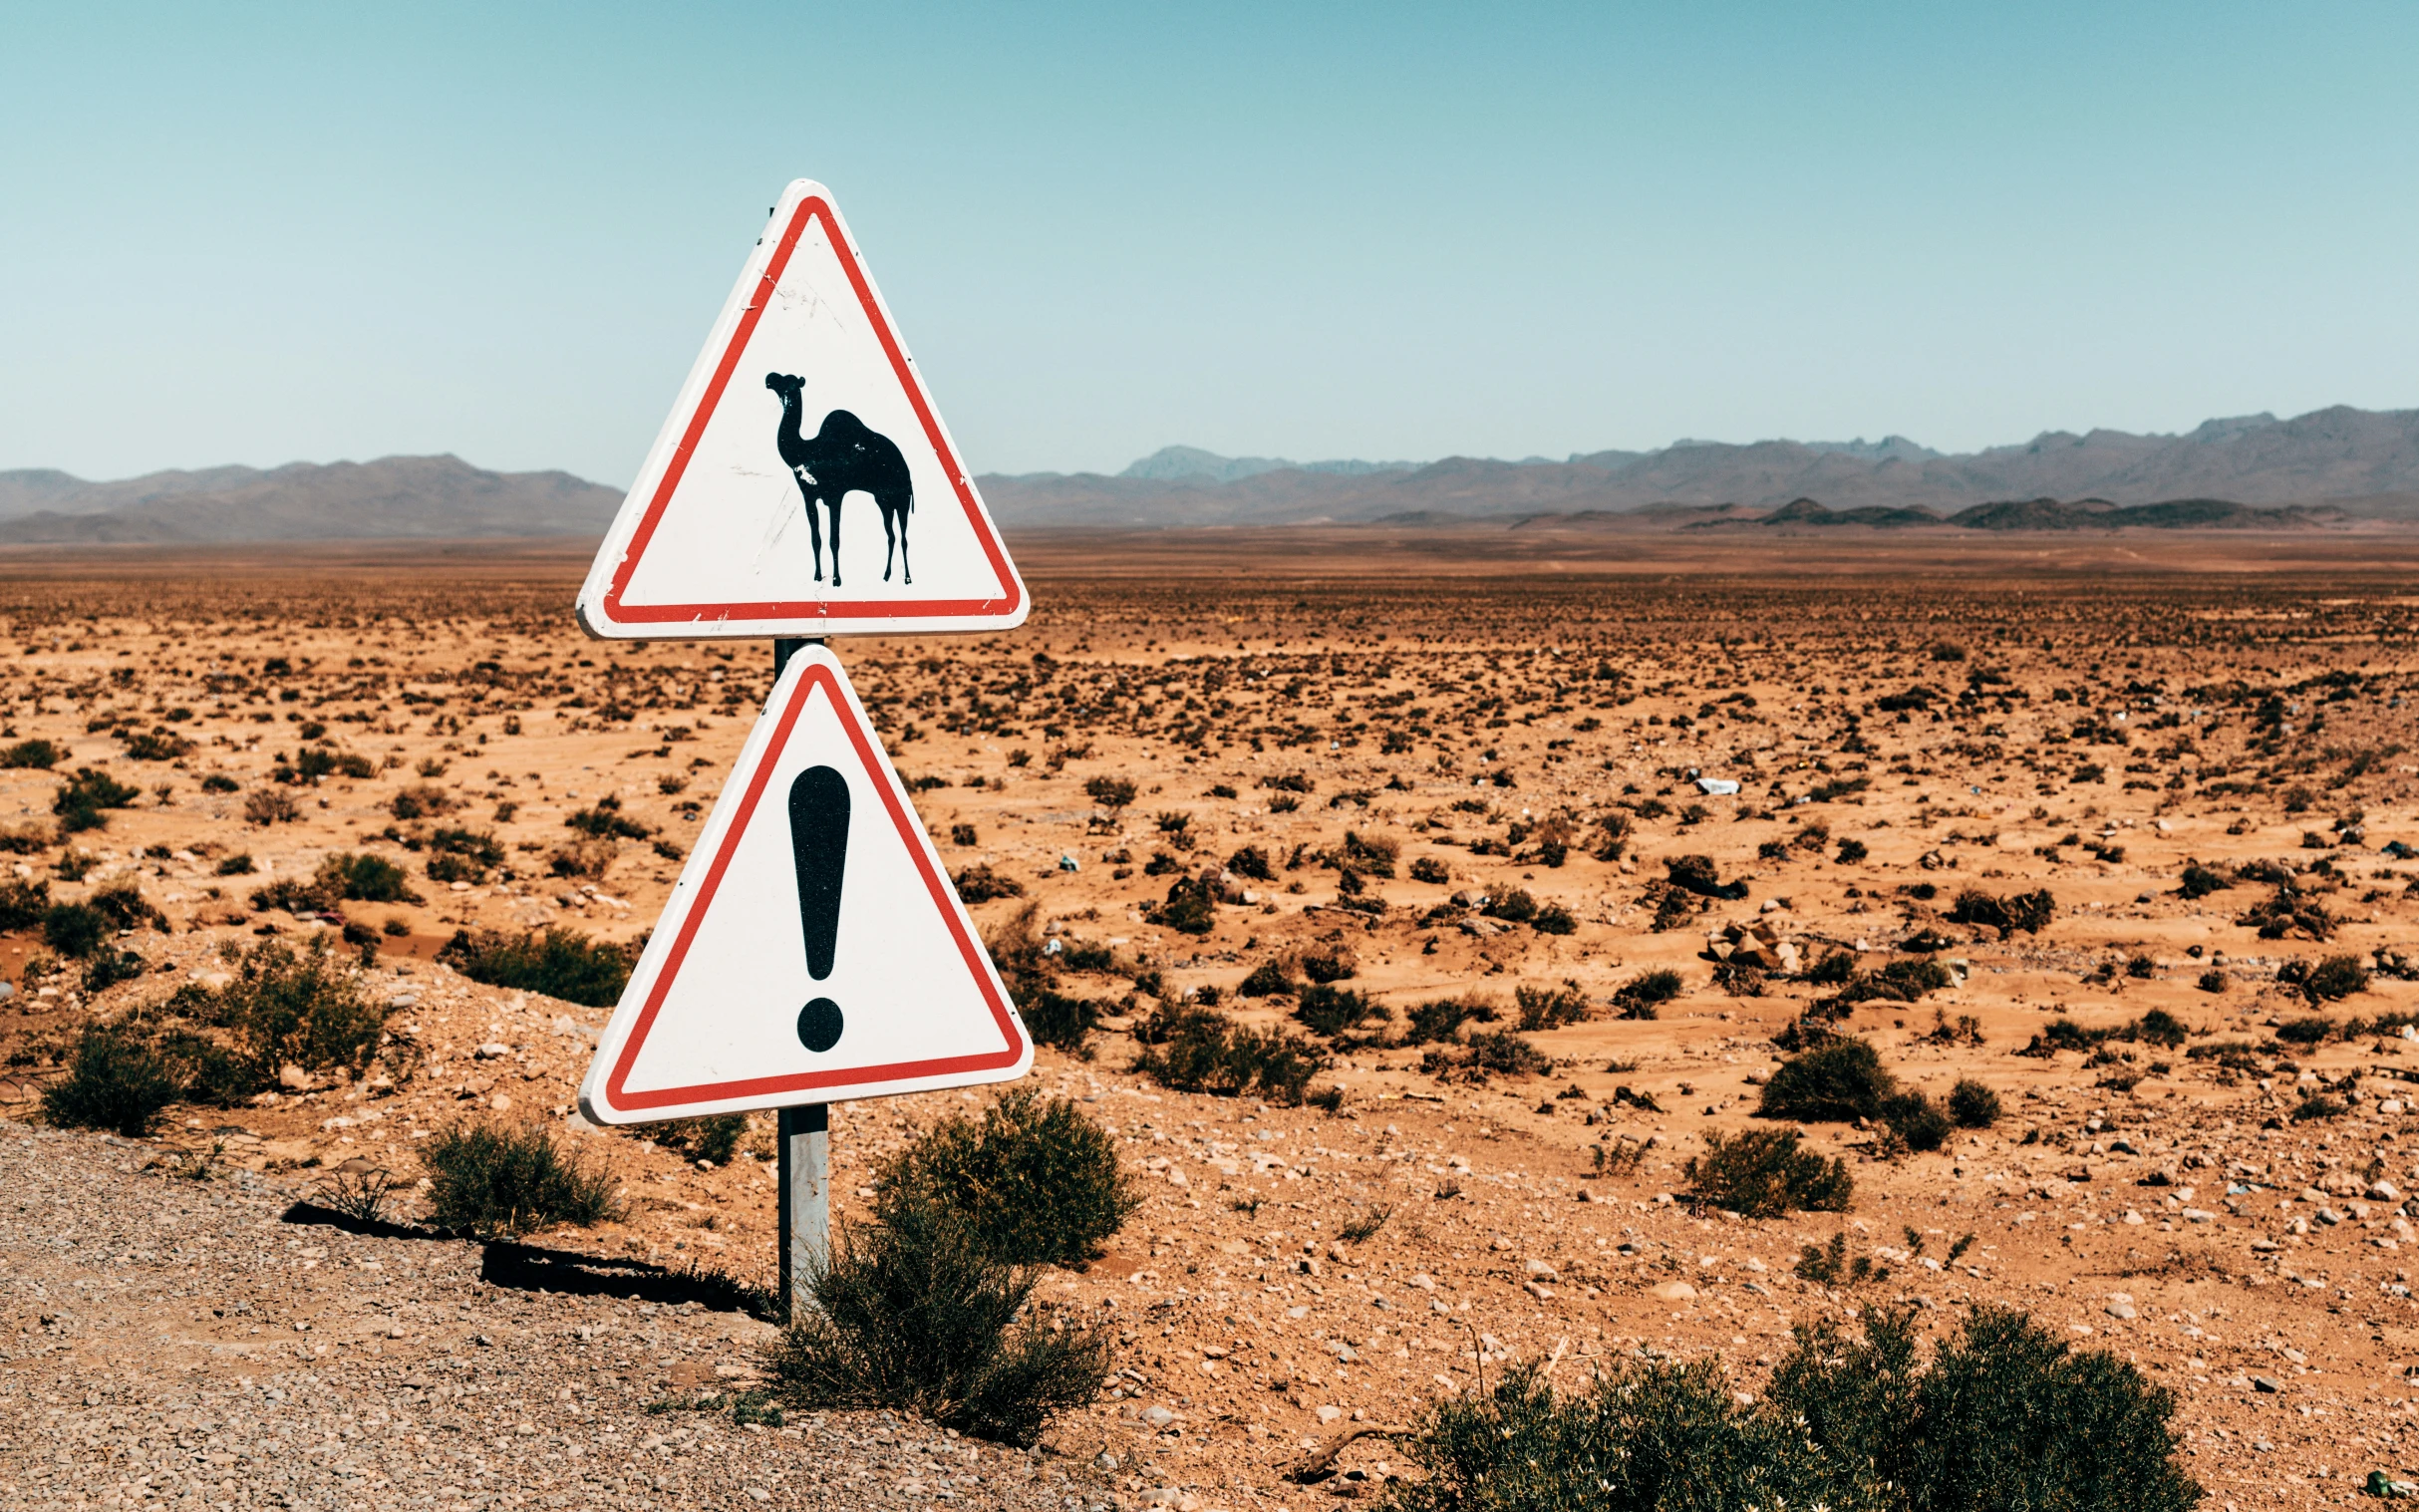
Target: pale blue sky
{"type": "Point", "coordinates": [256, 234]}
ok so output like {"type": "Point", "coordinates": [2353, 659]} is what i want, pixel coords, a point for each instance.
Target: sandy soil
{"type": "Point", "coordinates": [2101, 725]}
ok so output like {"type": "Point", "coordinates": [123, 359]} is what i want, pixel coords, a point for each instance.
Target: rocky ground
{"type": "Point", "coordinates": [1293, 1273]}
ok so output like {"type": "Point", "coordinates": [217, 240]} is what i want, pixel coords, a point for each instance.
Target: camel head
{"type": "Point", "coordinates": [784, 384]}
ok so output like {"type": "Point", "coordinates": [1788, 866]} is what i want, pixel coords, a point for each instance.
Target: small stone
{"type": "Point", "coordinates": [2264, 1384]}
{"type": "Point", "coordinates": [293, 1078]}
{"type": "Point", "coordinates": [2120, 1306]}
{"type": "Point", "coordinates": [1673, 1290]}
{"type": "Point", "coordinates": [1158, 1418]}
{"type": "Point", "coordinates": [1329, 1414]}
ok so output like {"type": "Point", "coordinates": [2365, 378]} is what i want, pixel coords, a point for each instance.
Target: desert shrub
{"type": "Point", "coordinates": [365, 878]}
{"type": "Point", "coordinates": [715, 1139]}
{"type": "Point", "coordinates": [2331, 979]}
{"type": "Point", "coordinates": [1328, 965]}
{"type": "Point", "coordinates": [111, 966]}
{"type": "Point", "coordinates": [590, 856]}
{"type": "Point", "coordinates": [1835, 1083]}
{"type": "Point", "coordinates": [2317, 1106]}
{"type": "Point", "coordinates": [1972, 1104]}
{"type": "Point", "coordinates": [2004, 1415]}
{"type": "Point", "coordinates": [1642, 1437]}
{"type": "Point", "coordinates": [158, 745]}
{"type": "Point", "coordinates": [124, 906]}
{"type": "Point", "coordinates": [1554, 919]}
{"type": "Point", "coordinates": [559, 962]}
{"type": "Point", "coordinates": [288, 1006]}
{"type": "Point", "coordinates": [1190, 909]}
{"type": "Point", "coordinates": [980, 884]}
{"type": "Point", "coordinates": [1515, 905]}
{"type": "Point", "coordinates": [2160, 1027]}
{"type": "Point", "coordinates": [26, 840]}
{"type": "Point", "coordinates": [1916, 1119]}
{"type": "Point", "coordinates": [1111, 793]}
{"type": "Point", "coordinates": [606, 821]}
{"type": "Point", "coordinates": [1015, 947]}
{"type": "Point", "coordinates": [76, 930]}
{"type": "Point", "coordinates": [1374, 854]}
{"type": "Point", "coordinates": [1199, 1049]}
{"type": "Point", "coordinates": [22, 904]}
{"type": "Point", "coordinates": [115, 1081]}
{"type": "Point", "coordinates": [1033, 1182]}
{"type": "Point", "coordinates": [1432, 871]}
{"type": "Point", "coordinates": [1544, 1008]}
{"type": "Point", "coordinates": [1503, 1052]}
{"type": "Point", "coordinates": [1443, 1017]}
{"type": "Point", "coordinates": [39, 756]}
{"type": "Point", "coordinates": [1058, 1019]}
{"type": "Point", "coordinates": [1852, 852]}
{"type": "Point", "coordinates": [1269, 978]}
{"type": "Point", "coordinates": [1902, 981]}
{"type": "Point", "coordinates": [1644, 994]}
{"type": "Point", "coordinates": [270, 805]}
{"type": "Point", "coordinates": [915, 1314]}
{"type": "Point", "coordinates": [236, 865]}
{"type": "Point", "coordinates": [2286, 910]}
{"type": "Point", "coordinates": [2311, 1031]}
{"type": "Point", "coordinates": [2028, 912]}
{"type": "Point", "coordinates": [2200, 881]}
{"type": "Point", "coordinates": [1763, 1173]}
{"type": "Point", "coordinates": [489, 1178]}
{"type": "Point", "coordinates": [446, 866]}
{"type": "Point", "coordinates": [92, 789]}
{"type": "Point", "coordinates": [219, 782]}
{"type": "Point", "coordinates": [1251, 861]}
{"type": "Point", "coordinates": [421, 800]}
{"type": "Point", "coordinates": [1331, 1011]}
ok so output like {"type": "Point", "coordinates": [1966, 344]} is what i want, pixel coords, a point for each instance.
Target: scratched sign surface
{"type": "Point", "coordinates": [804, 483]}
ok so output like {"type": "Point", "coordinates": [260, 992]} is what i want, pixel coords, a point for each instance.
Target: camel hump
{"type": "Point", "coordinates": [842, 423]}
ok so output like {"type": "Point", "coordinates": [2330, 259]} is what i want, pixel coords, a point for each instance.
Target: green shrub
{"type": "Point", "coordinates": [2200, 881]}
{"type": "Point", "coordinates": [22, 904]}
{"type": "Point", "coordinates": [1515, 905]}
{"type": "Point", "coordinates": [1033, 1182]}
{"type": "Point", "coordinates": [1111, 793]}
{"type": "Point", "coordinates": [115, 1081]}
{"type": "Point", "coordinates": [1329, 964]}
{"type": "Point", "coordinates": [1835, 1083]}
{"type": "Point", "coordinates": [1199, 1049]}
{"type": "Point", "coordinates": [109, 968]}
{"type": "Point", "coordinates": [1333, 1011]}
{"type": "Point", "coordinates": [1501, 1050]}
{"type": "Point", "coordinates": [124, 906]}
{"type": "Point", "coordinates": [490, 1179]}
{"type": "Point", "coordinates": [1252, 862]}
{"type": "Point", "coordinates": [712, 1140]}
{"type": "Point", "coordinates": [37, 754]}
{"type": "Point", "coordinates": [1269, 978]}
{"type": "Point", "coordinates": [1057, 1018]}
{"type": "Point", "coordinates": [2002, 1415]}
{"type": "Point", "coordinates": [421, 800]}
{"type": "Point", "coordinates": [2160, 1027]}
{"type": "Point", "coordinates": [2312, 1031]}
{"type": "Point", "coordinates": [1763, 1173]}
{"type": "Point", "coordinates": [74, 929]}
{"type": "Point", "coordinates": [980, 884]}
{"type": "Point", "coordinates": [2319, 1105]}
{"type": "Point", "coordinates": [1190, 909]}
{"type": "Point", "coordinates": [90, 789]}
{"type": "Point", "coordinates": [1916, 1119]}
{"type": "Point", "coordinates": [2028, 912]}
{"type": "Point", "coordinates": [1554, 919]}
{"type": "Point", "coordinates": [288, 1006]}
{"type": "Point", "coordinates": [915, 1314]}
{"type": "Point", "coordinates": [1644, 994]}
{"type": "Point", "coordinates": [559, 962]}
{"type": "Point", "coordinates": [1972, 1105]}
{"type": "Point", "coordinates": [1443, 1019]}
{"type": "Point", "coordinates": [366, 878]}
{"type": "Point", "coordinates": [26, 840]}
{"type": "Point", "coordinates": [1546, 1007]}
{"type": "Point", "coordinates": [2330, 981]}
{"type": "Point", "coordinates": [219, 782]}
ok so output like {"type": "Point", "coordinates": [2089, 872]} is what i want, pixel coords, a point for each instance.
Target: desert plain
{"type": "Point", "coordinates": [1398, 733]}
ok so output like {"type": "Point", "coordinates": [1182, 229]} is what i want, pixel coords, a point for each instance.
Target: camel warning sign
{"type": "Point", "coordinates": [814, 950]}
{"type": "Point", "coordinates": [804, 485]}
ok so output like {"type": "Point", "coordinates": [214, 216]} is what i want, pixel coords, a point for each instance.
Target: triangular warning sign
{"type": "Point", "coordinates": [804, 485]}
{"type": "Point", "coordinates": [814, 949]}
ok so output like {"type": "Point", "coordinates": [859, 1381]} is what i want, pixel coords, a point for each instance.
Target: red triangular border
{"type": "Point", "coordinates": [813, 207]}
{"type": "Point", "coordinates": [944, 897]}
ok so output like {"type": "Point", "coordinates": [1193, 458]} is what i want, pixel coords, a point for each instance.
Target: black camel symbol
{"type": "Point", "coordinates": [843, 458]}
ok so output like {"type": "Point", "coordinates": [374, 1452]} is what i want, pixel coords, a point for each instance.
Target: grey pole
{"type": "Point", "coordinates": [805, 1203]}
{"type": "Point", "coordinates": [805, 1165]}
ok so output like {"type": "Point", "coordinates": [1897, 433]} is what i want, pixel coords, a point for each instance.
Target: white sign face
{"type": "Point", "coordinates": [804, 485]}
{"type": "Point", "coordinates": [814, 950]}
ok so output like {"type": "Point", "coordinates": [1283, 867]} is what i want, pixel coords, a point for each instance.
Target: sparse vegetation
{"type": "Point", "coordinates": [1199, 1049]}
{"type": "Point", "coordinates": [115, 1081]}
{"type": "Point", "coordinates": [559, 962]}
{"type": "Point", "coordinates": [1835, 1083]}
{"type": "Point", "coordinates": [493, 1178]}
{"type": "Point", "coordinates": [1763, 1173]}
{"type": "Point", "coordinates": [1034, 1181]}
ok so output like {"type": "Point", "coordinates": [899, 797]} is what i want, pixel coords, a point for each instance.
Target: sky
{"type": "Point", "coordinates": [258, 234]}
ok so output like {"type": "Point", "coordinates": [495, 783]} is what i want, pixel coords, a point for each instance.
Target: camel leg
{"type": "Point", "coordinates": [814, 531]}
{"type": "Point", "coordinates": [835, 544]}
{"type": "Point", "coordinates": [907, 574]}
{"type": "Point", "coordinates": [889, 540]}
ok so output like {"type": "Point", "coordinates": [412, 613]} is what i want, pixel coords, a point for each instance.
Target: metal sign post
{"type": "Point", "coordinates": [804, 1174]}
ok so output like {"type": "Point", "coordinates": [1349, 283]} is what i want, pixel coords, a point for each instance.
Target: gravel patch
{"type": "Point", "coordinates": [167, 1341]}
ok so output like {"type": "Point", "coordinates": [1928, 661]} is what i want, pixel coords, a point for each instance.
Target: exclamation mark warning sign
{"type": "Point", "coordinates": [818, 843]}
{"type": "Point", "coordinates": [814, 949]}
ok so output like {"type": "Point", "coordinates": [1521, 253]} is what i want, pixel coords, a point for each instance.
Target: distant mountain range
{"type": "Point", "coordinates": [2359, 464]}
{"type": "Point", "coordinates": [2329, 469]}
{"type": "Point", "coordinates": [393, 497]}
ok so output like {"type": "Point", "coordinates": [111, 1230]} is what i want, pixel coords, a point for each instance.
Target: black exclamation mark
{"type": "Point", "coordinates": [818, 841]}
